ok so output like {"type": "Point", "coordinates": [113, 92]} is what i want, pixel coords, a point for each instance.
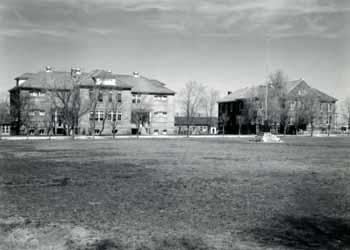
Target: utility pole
{"type": "Point", "coordinates": [267, 61]}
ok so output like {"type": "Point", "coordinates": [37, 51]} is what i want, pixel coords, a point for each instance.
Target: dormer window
{"type": "Point", "coordinates": [35, 93]}
{"type": "Point", "coordinates": [160, 97]}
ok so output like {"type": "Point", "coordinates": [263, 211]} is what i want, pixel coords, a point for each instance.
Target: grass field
{"type": "Point", "coordinates": [175, 194]}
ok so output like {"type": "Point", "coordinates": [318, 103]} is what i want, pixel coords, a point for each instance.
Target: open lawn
{"type": "Point", "coordinates": [175, 194]}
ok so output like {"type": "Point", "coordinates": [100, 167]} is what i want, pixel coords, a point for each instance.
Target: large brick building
{"type": "Point", "coordinates": [234, 105]}
{"type": "Point", "coordinates": [30, 101]}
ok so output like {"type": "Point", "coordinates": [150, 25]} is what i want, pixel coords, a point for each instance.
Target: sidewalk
{"type": "Point", "coordinates": [84, 137]}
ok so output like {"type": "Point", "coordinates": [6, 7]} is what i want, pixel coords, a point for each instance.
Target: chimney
{"type": "Point", "coordinates": [229, 92]}
{"type": "Point", "coordinates": [48, 69]}
{"type": "Point", "coordinates": [136, 74]}
{"type": "Point", "coordinates": [75, 71]}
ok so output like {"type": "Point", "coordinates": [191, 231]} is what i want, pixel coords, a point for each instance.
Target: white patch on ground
{"type": "Point", "coordinates": [53, 237]}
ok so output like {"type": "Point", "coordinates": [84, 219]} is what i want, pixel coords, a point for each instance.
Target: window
{"type": "Point", "coordinates": [114, 115]}
{"type": "Point", "coordinates": [119, 97]}
{"type": "Point", "coordinates": [102, 115]}
{"type": "Point", "coordinates": [5, 129]}
{"type": "Point", "coordinates": [292, 105]}
{"type": "Point", "coordinates": [41, 132]}
{"type": "Point", "coordinates": [110, 96]}
{"type": "Point", "coordinates": [35, 93]}
{"type": "Point", "coordinates": [160, 114]}
{"type": "Point", "coordinates": [91, 115]}
{"type": "Point", "coordinates": [160, 97]}
{"type": "Point", "coordinates": [301, 92]}
{"type": "Point", "coordinates": [164, 132]}
{"type": "Point", "coordinates": [329, 107]}
{"type": "Point", "coordinates": [119, 116]}
{"type": "Point", "coordinates": [41, 113]}
{"type": "Point", "coordinates": [136, 98]}
{"type": "Point", "coordinates": [109, 116]}
{"type": "Point", "coordinates": [31, 113]}
{"type": "Point", "coordinates": [100, 97]}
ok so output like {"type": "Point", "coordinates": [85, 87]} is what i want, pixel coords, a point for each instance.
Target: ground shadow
{"type": "Point", "coordinates": [306, 233]}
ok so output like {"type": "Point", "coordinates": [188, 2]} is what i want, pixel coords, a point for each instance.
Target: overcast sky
{"type": "Point", "coordinates": [225, 44]}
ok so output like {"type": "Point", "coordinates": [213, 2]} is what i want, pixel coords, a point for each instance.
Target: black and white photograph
{"type": "Point", "coordinates": [175, 125]}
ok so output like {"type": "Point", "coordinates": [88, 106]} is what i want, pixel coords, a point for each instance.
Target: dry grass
{"type": "Point", "coordinates": [175, 194]}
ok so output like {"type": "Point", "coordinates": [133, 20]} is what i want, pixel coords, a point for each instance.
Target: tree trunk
{"type": "Point", "coordinates": [188, 130]}
{"type": "Point", "coordinates": [285, 129]}
{"type": "Point", "coordinates": [103, 125]}
{"type": "Point", "coordinates": [312, 129]}
{"type": "Point", "coordinates": [73, 132]}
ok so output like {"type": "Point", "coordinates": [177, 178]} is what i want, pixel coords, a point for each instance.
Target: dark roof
{"type": "Point", "coordinates": [59, 79]}
{"type": "Point", "coordinates": [323, 97]}
{"type": "Point", "coordinates": [102, 74]}
{"type": "Point", "coordinates": [24, 76]}
{"type": "Point", "coordinates": [256, 91]}
{"type": "Point", "coordinates": [142, 84]}
{"type": "Point", "coordinates": [56, 79]}
{"type": "Point", "coordinates": [243, 93]}
{"type": "Point", "coordinates": [196, 121]}
{"type": "Point", "coordinates": [108, 75]}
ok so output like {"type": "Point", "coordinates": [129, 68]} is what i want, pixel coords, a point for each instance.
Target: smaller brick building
{"type": "Point", "coordinates": [234, 107]}
{"type": "Point", "coordinates": [197, 126]}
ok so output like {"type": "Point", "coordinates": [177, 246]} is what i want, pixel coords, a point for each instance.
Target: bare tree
{"type": "Point", "coordinates": [224, 119]}
{"type": "Point", "coordinates": [308, 111]}
{"type": "Point", "coordinates": [346, 112]}
{"type": "Point", "coordinates": [21, 111]}
{"type": "Point", "coordinates": [68, 100]}
{"type": "Point", "coordinates": [94, 98]}
{"type": "Point", "coordinates": [191, 100]}
{"type": "Point", "coordinates": [115, 108]}
{"type": "Point", "coordinates": [4, 113]}
{"type": "Point", "coordinates": [276, 101]}
{"type": "Point", "coordinates": [49, 116]}
{"type": "Point", "coordinates": [210, 106]}
{"type": "Point", "coordinates": [140, 114]}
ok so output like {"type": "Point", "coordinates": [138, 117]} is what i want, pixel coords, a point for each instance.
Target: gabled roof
{"type": "Point", "coordinates": [62, 79]}
{"type": "Point", "coordinates": [256, 91]}
{"type": "Point", "coordinates": [142, 84]}
{"type": "Point", "coordinates": [323, 97]}
{"type": "Point", "coordinates": [43, 79]}
{"type": "Point", "coordinates": [108, 75]}
{"type": "Point", "coordinates": [243, 93]}
{"type": "Point", "coordinates": [290, 85]}
{"type": "Point", "coordinates": [196, 121]}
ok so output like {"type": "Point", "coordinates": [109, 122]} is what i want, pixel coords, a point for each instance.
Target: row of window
{"type": "Point", "coordinates": [36, 93]}
{"type": "Point", "coordinates": [136, 98]}
{"type": "Point", "coordinates": [110, 97]}
{"type": "Point", "coordinates": [160, 97]}
{"type": "Point", "coordinates": [5, 129]}
{"type": "Point", "coordinates": [323, 106]}
{"type": "Point", "coordinates": [100, 116]}
{"type": "Point", "coordinates": [158, 131]}
{"type": "Point", "coordinates": [35, 112]}
{"type": "Point", "coordinates": [160, 114]}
